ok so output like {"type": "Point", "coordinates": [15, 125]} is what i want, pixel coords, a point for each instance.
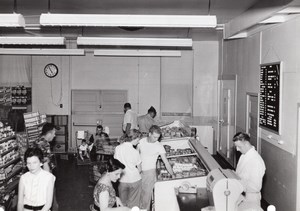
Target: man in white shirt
{"type": "Point", "coordinates": [130, 119]}
{"type": "Point", "coordinates": [150, 148]}
{"type": "Point", "coordinates": [130, 181]}
{"type": "Point", "coordinates": [250, 168]}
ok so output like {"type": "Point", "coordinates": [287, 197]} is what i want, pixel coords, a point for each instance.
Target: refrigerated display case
{"type": "Point", "coordinates": [191, 163]}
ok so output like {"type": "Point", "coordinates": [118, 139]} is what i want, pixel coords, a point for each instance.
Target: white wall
{"type": "Point", "coordinates": [47, 92]}
{"type": "Point", "coordinates": [141, 76]}
{"type": "Point", "coordinates": [177, 85]}
{"type": "Point", "coordinates": [243, 57]}
{"type": "Point", "coordinates": [205, 79]}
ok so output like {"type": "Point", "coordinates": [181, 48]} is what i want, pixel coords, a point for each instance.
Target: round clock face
{"type": "Point", "coordinates": [51, 70]}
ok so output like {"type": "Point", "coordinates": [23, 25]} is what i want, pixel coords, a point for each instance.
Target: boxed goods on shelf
{"type": "Point", "coordinates": [11, 166]}
{"type": "Point", "coordinates": [183, 167]}
{"type": "Point", "coordinates": [175, 129]}
{"type": "Point", "coordinates": [59, 148]}
{"type": "Point", "coordinates": [33, 124]}
{"type": "Point", "coordinates": [183, 159]}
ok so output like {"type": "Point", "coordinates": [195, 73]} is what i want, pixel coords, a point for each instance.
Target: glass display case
{"type": "Point", "coordinates": [190, 162]}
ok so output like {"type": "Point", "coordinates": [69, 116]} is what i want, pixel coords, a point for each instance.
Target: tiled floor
{"type": "Point", "coordinates": [73, 190]}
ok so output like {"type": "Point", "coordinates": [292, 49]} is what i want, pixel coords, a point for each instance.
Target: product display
{"type": "Point", "coordinates": [175, 129]}
{"type": "Point", "coordinates": [174, 132]}
{"type": "Point", "coordinates": [175, 152]}
{"type": "Point", "coordinates": [5, 96]}
{"type": "Point", "coordinates": [11, 166]}
{"type": "Point", "coordinates": [188, 167]}
{"type": "Point", "coordinates": [15, 96]}
{"type": "Point", "coordinates": [33, 123]}
{"type": "Point", "coordinates": [183, 160]}
{"type": "Point", "coordinates": [61, 136]}
{"type": "Point", "coordinates": [183, 167]}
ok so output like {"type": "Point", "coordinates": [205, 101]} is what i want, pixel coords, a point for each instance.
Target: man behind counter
{"type": "Point", "coordinates": [130, 119]}
{"type": "Point", "coordinates": [250, 168]}
{"type": "Point", "coordinates": [147, 120]}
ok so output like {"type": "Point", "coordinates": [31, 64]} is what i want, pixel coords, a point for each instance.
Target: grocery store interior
{"type": "Point", "coordinates": [221, 67]}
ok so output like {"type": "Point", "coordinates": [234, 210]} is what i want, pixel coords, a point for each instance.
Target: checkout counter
{"type": "Point", "coordinates": [195, 186]}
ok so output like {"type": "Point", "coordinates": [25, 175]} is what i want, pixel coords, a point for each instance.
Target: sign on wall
{"type": "Point", "coordinates": [269, 102]}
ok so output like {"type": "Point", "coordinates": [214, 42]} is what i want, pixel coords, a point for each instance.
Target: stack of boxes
{"type": "Point", "coordinates": [33, 124]}
{"type": "Point", "coordinates": [61, 137]}
{"type": "Point", "coordinates": [11, 166]}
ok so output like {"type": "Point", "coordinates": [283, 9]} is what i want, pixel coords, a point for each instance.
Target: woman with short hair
{"type": "Point", "coordinates": [35, 186]}
{"type": "Point", "coordinates": [105, 198]}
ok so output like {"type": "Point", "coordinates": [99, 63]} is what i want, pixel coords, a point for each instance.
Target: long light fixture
{"type": "Point", "coordinates": [173, 21]}
{"type": "Point", "coordinates": [280, 18]}
{"type": "Point", "coordinates": [32, 40]}
{"type": "Point", "coordinates": [112, 41]}
{"type": "Point", "coordinates": [12, 20]}
{"type": "Point", "coordinates": [140, 53]}
{"type": "Point", "coordinates": [42, 51]}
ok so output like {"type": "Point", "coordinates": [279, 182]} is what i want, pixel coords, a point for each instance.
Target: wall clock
{"type": "Point", "coordinates": [51, 70]}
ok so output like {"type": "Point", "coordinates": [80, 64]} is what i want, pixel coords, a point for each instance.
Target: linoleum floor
{"type": "Point", "coordinates": [73, 191]}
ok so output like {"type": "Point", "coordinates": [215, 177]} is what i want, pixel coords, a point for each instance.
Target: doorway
{"type": "Point", "coordinates": [298, 158]}
{"type": "Point", "coordinates": [252, 120]}
{"type": "Point", "coordinates": [227, 120]}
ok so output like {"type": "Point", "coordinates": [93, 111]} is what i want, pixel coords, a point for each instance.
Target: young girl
{"type": "Point", "coordinates": [105, 198]}
{"type": "Point", "coordinates": [36, 186]}
{"type": "Point", "coordinates": [83, 150]}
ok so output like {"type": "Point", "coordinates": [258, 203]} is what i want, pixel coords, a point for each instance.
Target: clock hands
{"type": "Point", "coordinates": [49, 70]}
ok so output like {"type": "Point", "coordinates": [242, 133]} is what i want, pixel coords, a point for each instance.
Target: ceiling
{"type": "Point", "coordinates": [224, 10]}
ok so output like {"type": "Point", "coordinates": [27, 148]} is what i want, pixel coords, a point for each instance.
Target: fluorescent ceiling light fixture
{"type": "Point", "coordinates": [239, 35]}
{"type": "Point", "coordinates": [12, 20]}
{"type": "Point", "coordinates": [141, 53]}
{"type": "Point", "coordinates": [274, 19]}
{"type": "Point", "coordinates": [112, 41]}
{"type": "Point", "coordinates": [32, 40]}
{"type": "Point", "coordinates": [181, 21]}
{"type": "Point", "coordinates": [42, 51]}
{"type": "Point", "coordinates": [290, 10]}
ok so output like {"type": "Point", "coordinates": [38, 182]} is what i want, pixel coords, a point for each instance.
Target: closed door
{"type": "Point", "coordinates": [298, 158]}
{"type": "Point", "coordinates": [227, 120]}
{"type": "Point", "coordinates": [252, 119]}
{"type": "Point", "coordinates": [92, 106]}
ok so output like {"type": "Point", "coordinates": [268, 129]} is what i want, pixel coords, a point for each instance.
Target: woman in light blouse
{"type": "Point", "coordinates": [35, 186]}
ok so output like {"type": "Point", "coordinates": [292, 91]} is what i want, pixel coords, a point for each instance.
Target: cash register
{"type": "Point", "coordinates": [224, 189]}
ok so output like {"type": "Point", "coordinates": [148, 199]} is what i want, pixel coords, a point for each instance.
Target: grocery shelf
{"type": "Point", "coordinates": [11, 186]}
{"type": "Point", "coordinates": [11, 175]}
{"type": "Point", "coordinates": [11, 162]}
{"type": "Point", "coordinates": [174, 138]}
{"type": "Point", "coordinates": [8, 151]}
{"type": "Point", "coordinates": [182, 155]}
{"type": "Point", "coordinates": [7, 138]}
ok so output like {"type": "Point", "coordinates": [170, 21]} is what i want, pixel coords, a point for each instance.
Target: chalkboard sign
{"type": "Point", "coordinates": [269, 103]}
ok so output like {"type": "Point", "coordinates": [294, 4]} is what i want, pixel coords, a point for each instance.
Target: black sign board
{"type": "Point", "coordinates": [269, 102]}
